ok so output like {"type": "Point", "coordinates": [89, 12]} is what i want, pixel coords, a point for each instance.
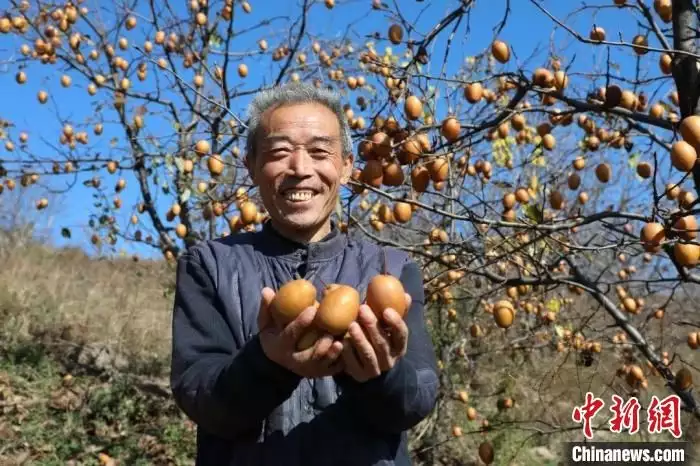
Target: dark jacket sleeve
{"type": "Point", "coordinates": [400, 398]}
{"type": "Point", "coordinates": [225, 389]}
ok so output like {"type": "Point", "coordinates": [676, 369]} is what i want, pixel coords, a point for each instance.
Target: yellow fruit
{"type": "Point", "coordinates": [690, 130]}
{"type": "Point", "coordinates": [683, 156]}
{"type": "Point", "coordinates": [473, 92]}
{"type": "Point", "coordinates": [500, 51]}
{"type": "Point", "coordinates": [686, 254]}
{"type": "Point", "coordinates": [202, 147]}
{"type": "Point", "coordinates": [338, 309]}
{"type": "Point", "coordinates": [413, 108]}
{"type": "Point", "coordinates": [687, 227]}
{"type": "Point", "coordinates": [249, 212]}
{"type": "Point", "coordinates": [215, 165]}
{"type": "Point", "coordinates": [402, 212]}
{"type": "Point", "coordinates": [386, 291]}
{"type": "Point", "coordinates": [639, 45]}
{"type": "Point", "coordinates": [652, 236]}
{"type": "Point", "coordinates": [666, 64]}
{"type": "Point", "coordinates": [504, 314]}
{"type": "Point", "coordinates": [291, 300]}
{"type": "Point", "coordinates": [181, 230]}
{"type": "Point", "coordinates": [450, 129]}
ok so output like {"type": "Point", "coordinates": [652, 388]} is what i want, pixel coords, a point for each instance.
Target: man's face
{"type": "Point", "coordinates": [299, 165]}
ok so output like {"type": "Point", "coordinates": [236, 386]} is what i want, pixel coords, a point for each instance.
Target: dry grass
{"type": "Point", "coordinates": [123, 304]}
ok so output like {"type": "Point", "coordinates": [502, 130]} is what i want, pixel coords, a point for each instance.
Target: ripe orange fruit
{"type": "Point", "coordinates": [500, 51]}
{"type": "Point", "coordinates": [373, 173]}
{"type": "Point", "coordinates": [548, 141]}
{"type": "Point", "coordinates": [683, 156]}
{"type": "Point", "coordinates": [402, 212]}
{"type": "Point", "coordinates": [202, 147]}
{"type": "Point", "coordinates": [439, 169]}
{"type": "Point", "coordinates": [597, 34]}
{"type": "Point", "coordinates": [603, 172]}
{"type": "Point", "coordinates": [543, 78]}
{"type": "Point", "coordinates": [249, 212]}
{"type": "Point", "coordinates": [522, 195]}
{"type": "Point", "coordinates": [666, 63]}
{"type": "Point", "coordinates": [503, 314]}
{"type": "Point", "coordinates": [690, 130]}
{"type": "Point", "coordinates": [644, 169]}
{"type": "Point", "coordinates": [652, 235]}
{"type": "Point", "coordinates": [639, 44]}
{"type": "Point", "coordinates": [181, 230]}
{"type": "Point", "coordinates": [413, 108]}
{"type": "Point", "coordinates": [574, 181]}
{"type": "Point", "coordinates": [386, 291]}
{"type": "Point", "coordinates": [664, 10]}
{"type": "Point", "coordinates": [215, 165]}
{"type": "Point", "coordinates": [393, 175]}
{"type": "Point", "coordinates": [686, 254]}
{"type": "Point", "coordinates": [450, 129]}
{"type": "Point", "coordinates": [687, 226]}
{"type": "Point", "coordinates": [473, 92]}
{"type": "Point", "coordinates": [381, 144]}
{"type": "Point", "coordinates": [420, 177]}
{"type": "Point", "coordinates": [556, 200]}
{"type": "Point", "coordinates": [395, 34]}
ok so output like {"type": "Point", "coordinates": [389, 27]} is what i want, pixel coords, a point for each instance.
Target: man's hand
{"type": "Point", "coordinates": [280, 344]}
{"type": "Point", "coordinates": [373, 347]}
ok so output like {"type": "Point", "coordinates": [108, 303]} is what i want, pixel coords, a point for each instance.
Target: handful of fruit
{"type": "Point", "coordinates": [339, 306]}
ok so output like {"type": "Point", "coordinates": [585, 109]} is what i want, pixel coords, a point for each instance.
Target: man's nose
{"type": "Point", "coordinates": [300, 162]}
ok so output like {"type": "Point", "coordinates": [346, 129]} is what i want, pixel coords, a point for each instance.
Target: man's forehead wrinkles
{"type": "Point", "coordinates": [274, 137]}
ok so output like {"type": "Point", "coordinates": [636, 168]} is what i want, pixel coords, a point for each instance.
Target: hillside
{"type": "Point", "coordinates": [84, 346]}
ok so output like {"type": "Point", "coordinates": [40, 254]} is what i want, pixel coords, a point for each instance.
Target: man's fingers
{"type": "Point", "coordinates": [296, 328]}
{"type": "Point", "coordinates": [321, 348]}
{"type": "Point", "coordinates": [376, 336]}
{"type": "Point", "coordinates": [351, 361]}
{"type": "Point", "coordinates": [365, 351]}
{"type": "Point", "coordinates": [264, 314]}
{"type": "Point", "coordinates": [398, 330]}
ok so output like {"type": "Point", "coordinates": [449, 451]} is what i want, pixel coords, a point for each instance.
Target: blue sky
{"type": "Point", "coordinates": [527, 30]}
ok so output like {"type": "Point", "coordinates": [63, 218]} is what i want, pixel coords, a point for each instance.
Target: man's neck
{"type": "Point", "coordinates": [304, 236]}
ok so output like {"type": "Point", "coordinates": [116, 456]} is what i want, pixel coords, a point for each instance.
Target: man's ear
{"type": "Point", "coordinates": [347, 168]}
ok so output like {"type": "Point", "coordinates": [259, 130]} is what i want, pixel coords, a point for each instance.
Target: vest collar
{"type": "Point", "coordinates": [273, 243]}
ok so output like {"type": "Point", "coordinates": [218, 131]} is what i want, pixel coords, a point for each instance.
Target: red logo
{"type": "Point", "coordinates": [587, 412]}
{"type": "Point", "coordinates": [625, 416]}
{"type": "Point", "coordinates": [665, 415]}
{"type": "Point", "coordinates": [662, 415]}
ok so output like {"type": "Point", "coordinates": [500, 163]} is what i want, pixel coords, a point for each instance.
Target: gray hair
{"type": "Point", "coordinates": [295, 93]}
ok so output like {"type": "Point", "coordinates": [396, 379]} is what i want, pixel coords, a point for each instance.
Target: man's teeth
{"type": "Point", "coordinates": [298, 195]}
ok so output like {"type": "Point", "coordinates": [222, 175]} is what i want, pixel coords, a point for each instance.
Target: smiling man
{"type": "Point", "coordinates": [255, 398]}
